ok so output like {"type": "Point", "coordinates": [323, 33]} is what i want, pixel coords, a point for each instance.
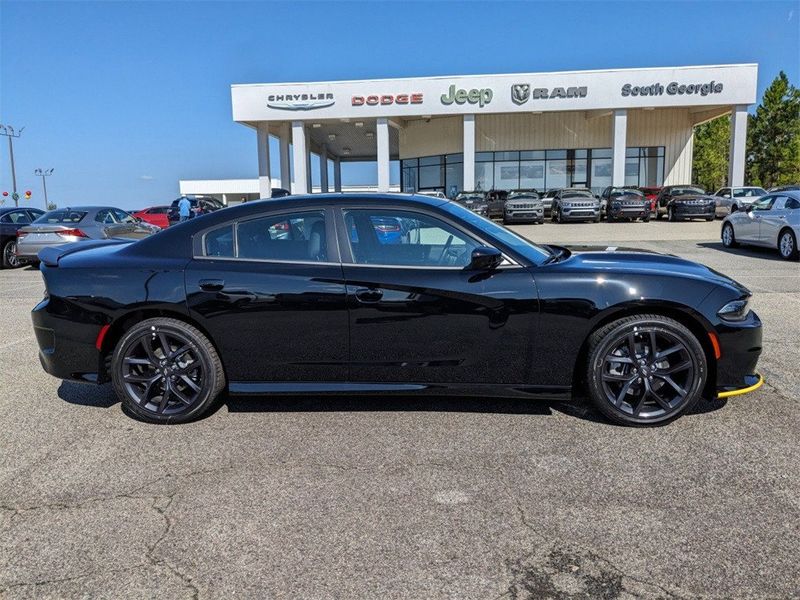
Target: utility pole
{"type": "Point", "coordinates": [44, 173]}
{"type": "Point", "coordinates": [9, 132]}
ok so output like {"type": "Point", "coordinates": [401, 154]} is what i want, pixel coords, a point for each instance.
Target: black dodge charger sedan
{"type": "Point", "coordinates": [685, 202]}
{"type": "Point", "coordinates": [388, 294]}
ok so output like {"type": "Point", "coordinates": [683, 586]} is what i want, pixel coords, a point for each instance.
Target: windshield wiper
{"type": "Point", "coordinates": [556, 255]}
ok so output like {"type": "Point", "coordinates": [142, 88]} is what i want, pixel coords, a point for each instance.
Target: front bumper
{"type": "Point", "coordinates": [740, 349]}
{"type": "Point", "coordinates": [751, 384]}
{"type": "Point", "coordinates": [694, 212]}
{"type": "Point", "coordinates": [524, 214]}
{"type": "Point", "coordinates": [630, 212]}
{"type": "Point", "coordinates": [580, 214]}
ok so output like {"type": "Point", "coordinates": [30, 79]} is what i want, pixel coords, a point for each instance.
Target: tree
{"type": "Point", "coordinates": [711, 149]}
{"type": "Point", "coordinates": [773, 140]}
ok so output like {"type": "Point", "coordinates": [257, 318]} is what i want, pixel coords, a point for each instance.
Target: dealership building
{"type": "Point", "coordinates": [480, 132]}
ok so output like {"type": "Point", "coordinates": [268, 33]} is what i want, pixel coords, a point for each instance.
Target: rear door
{"type": "Point", "coordinates": [418, 315]}
{"type": "Point", "coordinates": [270, 291]}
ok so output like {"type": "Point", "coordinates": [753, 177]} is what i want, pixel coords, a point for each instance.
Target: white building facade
{"type": "Point", "coordinates": [517, 131]}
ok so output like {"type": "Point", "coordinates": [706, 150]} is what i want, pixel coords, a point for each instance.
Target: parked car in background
{"type": "Point", "coordinates": [523, 206]}
{"type": "Point", "coordinates": [279, 193]}
{"type": "Point", "coordinates": [785, 188]}
{"type": "Point", "coordinates": [496, 203]}
{"type": "Point", "coordinates": [78, 224]}
{"type": "Point", "coordinates": [625, 203]}
{"type": "Point", "coordinates": [432, 194]}
{"type": "Point", "coordinates": [547, 201]}
{"type": "Point", "coordinates": [201, 205]}
{"type": "Point", "coordinates": [575, 204]}
{"type": "Point", "coordinates": [729, 200]}
{"type": "Point", "coordinates": [11, 220]}
{"type": "Point", "coordinates": [651, 193]}
{"type": "Point", "coordinates": [685, 202]}
{"type": "Point", "coordinates": [155, 215]}
{"type": "Point", "coordinates": [772, 221]}
{"type": "Point", "coordinates": [176, 319]}
{"type": "Point", "coordinates": [475, 201]}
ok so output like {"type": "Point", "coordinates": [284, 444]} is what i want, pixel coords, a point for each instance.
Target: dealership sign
{"type": "Point", "coordinates": [386, 99]}
{"type": "Point", "coordinates": [672, 89]}
{"type": "Point", "coordinates": [481, 97]}
{"type": "Point", "coordinates": [521, 92]}
{"type": "Point", "coordinates": [300, 101]}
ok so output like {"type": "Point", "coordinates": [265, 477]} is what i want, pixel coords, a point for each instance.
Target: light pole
{"type": "Point", "coordinates": [9, 132]}
{"type": "Point", "coordinates": [44, 173]}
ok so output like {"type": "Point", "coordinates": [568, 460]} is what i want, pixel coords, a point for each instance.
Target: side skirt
{"type": "Point", "coordinates": [266, 388]}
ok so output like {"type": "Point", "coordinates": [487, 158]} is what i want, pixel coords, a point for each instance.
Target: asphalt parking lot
{"type": "Point", "coordinates": [408, 498]}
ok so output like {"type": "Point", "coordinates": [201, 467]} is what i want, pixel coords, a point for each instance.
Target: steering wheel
{"type": "Point", "coordinates": [446, 247]}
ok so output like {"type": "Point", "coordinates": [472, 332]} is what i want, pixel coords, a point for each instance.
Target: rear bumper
{"type": "Point", "coordinates": [29, 251]}
{"type": "Point", "coordinates": [66, 349]}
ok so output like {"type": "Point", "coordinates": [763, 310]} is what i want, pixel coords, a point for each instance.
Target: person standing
{"type": "Point", "coordinates": [184, 209]}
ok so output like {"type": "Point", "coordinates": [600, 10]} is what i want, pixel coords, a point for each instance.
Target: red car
{"type": "Point", "coordinates": [155, 215]}
{"type": "Point", "coordinates": [651, 193]}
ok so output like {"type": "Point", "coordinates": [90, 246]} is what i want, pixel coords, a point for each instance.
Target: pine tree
{"type": "Point", "coordinates": [711, 148]}
{"type": "Point", "coordinates": [773, 144]}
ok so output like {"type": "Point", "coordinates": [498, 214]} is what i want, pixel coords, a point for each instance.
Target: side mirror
{"type": "Point", "coordinates": [485, 258]}
{"type": "Point", "coordinates": [748, 208]}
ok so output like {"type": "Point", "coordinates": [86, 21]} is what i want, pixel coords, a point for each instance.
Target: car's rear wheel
{"type": "Point", "coordinates": [10, 260]}
{"type": "Point", "coordinates": [645, 369]}
{"type": "Point", "coordinates": [728, 236]}
{"type": "Point", "coordinates": [787, 245]}
{"type": "Point", "coordinates": [166, 371]}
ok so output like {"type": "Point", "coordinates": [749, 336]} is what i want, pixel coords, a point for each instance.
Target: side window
{"type": "Point", "coordinates": [18, 217]}
{"type": "Point", "coordinates": [793, 204]}
{"type": "Point", "coordinates": [393, 237]}
{"type": "Point", "coordinates": [764, 204]}
{"type": "Point", "coordinates": [123, 217]}
{"type": "Point", "coordinates": [104, 216]}
{"type": "Point", "coordinates": [294, 237]}
{"type": "Point", "coordinates": [219, 242]}
{"type": "Point", "coordinates": [725, 192]}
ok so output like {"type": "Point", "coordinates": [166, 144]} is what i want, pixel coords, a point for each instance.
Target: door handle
{"type": "Point", "coordinates": [368, 295]}
{"type": "Point", "coordinates": [211, 285]}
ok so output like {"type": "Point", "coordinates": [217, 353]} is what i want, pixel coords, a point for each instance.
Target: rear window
{"type": "Point", "coordinates": [62, 216]}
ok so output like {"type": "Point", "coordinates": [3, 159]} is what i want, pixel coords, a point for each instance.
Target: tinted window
{"type": "Point", "coordinates": [104, 216]}
{"type": "Point", "coordinates": [393, 237]}
{"type": "Point", "coordinates": [748, 192]}
{"type": "Point", "coordinates": [122, 216]}
{"type": "Point", "coordinates": [62, 216]}
{"type": "Point", "coordinates": [687, 191]}
{"type": "Point", "coordinates": [160, 210]}
{"type": "Point", "coordinates": [219, 242]}
{"type": "Point", "coordinates": [792, 203]}
{"type": "Point", "coordinates": [19, 217]}
{"type": "Point", "coordinates": [294, 237]}
{"type": "Point", "coordinates": [577, 195]}
{"type": "Point", "coordinates": [764, 203]}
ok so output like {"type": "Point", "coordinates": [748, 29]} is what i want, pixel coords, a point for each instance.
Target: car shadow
{"type": "Point", "coordinates": [103, 396]}
{"type": "Point", "coordinates": [751, 251]}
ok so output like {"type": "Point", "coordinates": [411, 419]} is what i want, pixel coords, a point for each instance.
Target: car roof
{"type": "Point", "coordinates": [5, 209]}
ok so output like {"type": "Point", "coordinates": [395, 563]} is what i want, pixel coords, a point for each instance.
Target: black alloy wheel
{"type": "Point", "coordinates": [166, 371]}
{"type": "Point", "coordinates": [645, 370]}
{"type": "Point", "coordinates": [10, 260]}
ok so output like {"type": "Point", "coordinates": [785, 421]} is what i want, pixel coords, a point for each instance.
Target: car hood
{"type": "Point", "coordinates": [646, 262]}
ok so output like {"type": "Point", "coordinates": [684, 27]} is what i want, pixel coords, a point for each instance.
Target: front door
{"type": "Point", "coordinates": [772, 221]}
{"type": "Point", "coordinates": [274, 299]}
{"type": "Point", "coordinates": [418, 315]}
{"type": "Point", "coordinates": [751, 230]}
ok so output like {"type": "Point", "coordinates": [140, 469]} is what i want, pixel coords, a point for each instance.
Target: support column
{"type": "Point", "coordinates": [286, 177]}
{"type": "Point", "coordinates": [382, 137]}
{"type": "Point", "coordinates": [469, 153]}
{"type": "Point", "coordinates": [619, 134]}
{"type": "Point", "coordinates": [308, 162]}
{"type": "Point", "coordinates": [337, 174]}
{"type": "Point", "coordinates": [264, 183]}
{"type": "Point", "coordinates": [299, 158]}
{"type": "Point", "coordinates": [738, 145]}
{"type": "Point", "coordinates": [323, 169]}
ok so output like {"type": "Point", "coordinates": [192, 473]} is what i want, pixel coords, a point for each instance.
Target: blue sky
{"type": "Point", "coordinates": [124, 99]}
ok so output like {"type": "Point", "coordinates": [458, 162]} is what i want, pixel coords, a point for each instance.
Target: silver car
{"type": "Point", "coordinates": [772, 221]}
{"type": "Point", "coordinates": [729, 200]}
{"type": "Point", "coordinates": [65, 225]}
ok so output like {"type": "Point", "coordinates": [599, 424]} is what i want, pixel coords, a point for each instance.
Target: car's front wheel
{"type": "Point", "coordinates": [10, 260]}
{"type": "Point", "coordinates": [645, 369]}
{"type": "Point", "coordinates": [728, 236]}
{"type": "Point", "coordinates": [787, 245]}
{"type": "Point", "coordinates": [671, 214]}
{"type": "Point", "coordinates": [166, 371]}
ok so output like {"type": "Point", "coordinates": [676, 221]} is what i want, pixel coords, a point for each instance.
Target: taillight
{"type": "Point", "coordinates": [72, 233]}
{"type": "Point", "coordinates": [21, 234]}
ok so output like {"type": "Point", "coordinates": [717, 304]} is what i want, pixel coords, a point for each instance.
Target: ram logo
{"type": "Point", "coordinates": [520, 92]}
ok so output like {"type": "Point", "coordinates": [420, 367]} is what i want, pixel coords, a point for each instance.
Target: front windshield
{"type": "Point", "coordinates": [533, 252]}
{"type": "Point", "coordinates": [618, 193]}
{"type": "Point", "coordinates": [577, 194]}
{"type": "Point", "coordinates": [751, 192]}
{"type": "Point", "coordinates": [526, 196]}
{"type": "Point", "coordinates": [689, 191]}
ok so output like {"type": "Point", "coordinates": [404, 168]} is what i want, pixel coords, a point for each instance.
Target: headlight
{"type": "Point", "coordinates": [736, 310]}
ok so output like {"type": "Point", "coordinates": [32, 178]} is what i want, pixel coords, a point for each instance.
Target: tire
{"type": "Point", "coordinates": [728, 236]}
{"type": "Point", "coordinates": [541, 221]}
{"type": "Point", "coordinates": [787, 245]}
{"type": "Point", "coordinates": [609, 218]}
{"type": "Point", "coordinates": [597, 219]}
{"type": "Point", "coordinates": [671, 215]}
{"type": "Point", "coordinates": [710, 218]}
{"type": "Point", "coordinates": [505, 221]}
{"type": "Point", "coordinates": [623, 393]}
{"type": "Point", "coordinates": [10, 260]}
{"type": "Point", "coordinates": [658, 215]}
{"type": "Point", "coordinates": [646, 219]}
{"type": "Point", "coordinates": [140, 385]}
{"type": "Point", "coordinates": [559, 217]}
